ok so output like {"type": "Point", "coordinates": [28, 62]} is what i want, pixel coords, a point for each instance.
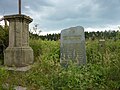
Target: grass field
{"type": "Point", "coordinates": [102, 71]}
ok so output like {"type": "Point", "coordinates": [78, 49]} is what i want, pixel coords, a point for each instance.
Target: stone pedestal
{"type": "Point", "coordinates": [102, 45]}
{"type": "Point", "coordinates": [18, 53]}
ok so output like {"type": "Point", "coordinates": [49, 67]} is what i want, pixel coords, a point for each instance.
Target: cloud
{"type": "Point", "coordinates": [27, 7]}
{"type": "Point", "coordinates": [53, 15]}
{"type": "Point", "coordinates": [1, 22]}
{"type": "Point", "coordinates": [101, 28]}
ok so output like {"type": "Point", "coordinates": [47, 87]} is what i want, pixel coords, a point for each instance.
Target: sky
{"type": "Point", "coordinates": [52, 16]}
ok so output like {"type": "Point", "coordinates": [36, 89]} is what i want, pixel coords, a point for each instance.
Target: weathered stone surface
{"type": "Point", "coordinates": [18, 56]}
{"type": "Point", "coordinates": [73, 45]}
{"type": "Point", "coordinates": [21, 69]}
{"type": "Point", "coordinates": [6, 86]}
{"type": "Point", "coordinates": [20, 88]}
{"type": "Point", "coordinates": [18, 53]}
{"type": "Point", "coordinates": [102, 45]}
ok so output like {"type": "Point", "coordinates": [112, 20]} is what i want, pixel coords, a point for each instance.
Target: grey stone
{"type": "Point", "coordinates": [6, 86]}
{"type": "Point", "coordinates": [18, 53]}
{"type": "Point", "coordinates": [20, 88]}
{"type": "Point", "coordinates": [73, 45]}
{"type": "Point", "coordinates": [23, 69]}
{"type": "Point", "coordinates": [102, 45]}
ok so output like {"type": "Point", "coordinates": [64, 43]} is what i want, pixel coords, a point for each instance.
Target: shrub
{"type": "Point", "coordinates": [3, 76]}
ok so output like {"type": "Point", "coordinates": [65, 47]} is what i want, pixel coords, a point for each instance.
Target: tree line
{"type": "Point", "coordinates": [111, 34]}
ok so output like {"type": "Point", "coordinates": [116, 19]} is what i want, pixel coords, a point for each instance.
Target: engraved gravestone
{"type": "Point", "coordinates": [73, 45]}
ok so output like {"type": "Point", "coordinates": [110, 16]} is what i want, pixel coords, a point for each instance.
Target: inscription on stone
{"type": "Point", "coordinates": [73, 45]}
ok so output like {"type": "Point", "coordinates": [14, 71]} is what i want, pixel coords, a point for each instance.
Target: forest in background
{"type": "Point", "coordinates": [111, 34]}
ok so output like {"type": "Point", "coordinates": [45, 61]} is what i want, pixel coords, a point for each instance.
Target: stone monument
{"type": "Point", "coordinates": [73, 46]}
{"type": "Point", "coordinates": [102, 45]}
{"type": "Point", "coordinates": [18, 53]}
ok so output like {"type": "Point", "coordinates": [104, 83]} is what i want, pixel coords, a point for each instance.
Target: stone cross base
{"type": "Point", "coordinates": [19, 69]}
{"type": "Point", "coordinates": [18, 53]}
{"type": "Point", "coordinates": [18, 56]}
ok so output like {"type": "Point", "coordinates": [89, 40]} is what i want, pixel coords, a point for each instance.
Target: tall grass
{"type": "Point", "coordinates": [102, 71]}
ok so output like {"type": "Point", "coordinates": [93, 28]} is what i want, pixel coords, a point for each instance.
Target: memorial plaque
{"type": "Point", "coordinates": [73, 45]}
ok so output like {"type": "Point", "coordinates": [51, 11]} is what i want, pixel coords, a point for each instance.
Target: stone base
{"type": "Point", "coordinates": [6, 86]}
{"type": "Point", "coordinates": [18, 56]}
{"type": "Point", "coordinates": [21, 69]}
{"type": "Point", "coordinates": [20, 88]}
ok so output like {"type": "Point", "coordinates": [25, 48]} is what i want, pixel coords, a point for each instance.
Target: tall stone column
{"type": "Point", "coordinates": [18, 53]}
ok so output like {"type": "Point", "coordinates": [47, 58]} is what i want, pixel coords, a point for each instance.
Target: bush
{"type": "Point", "coordinates": [36, 46]}
{"type": "Point", "coordinates": [3, 76]}
{"type": "Point", "coordinates": [3, 41]}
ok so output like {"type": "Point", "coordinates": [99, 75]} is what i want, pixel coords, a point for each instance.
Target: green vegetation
{"type": "Point", "coordinates": [3, 41]}
{"type": "Point", "coordinates": [102, 71]}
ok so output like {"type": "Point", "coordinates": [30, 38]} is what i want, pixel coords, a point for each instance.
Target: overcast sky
{"type": "Point", "coordinates": [55, 15]}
